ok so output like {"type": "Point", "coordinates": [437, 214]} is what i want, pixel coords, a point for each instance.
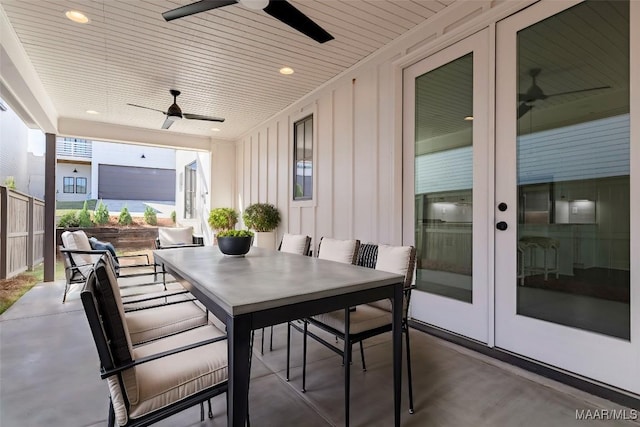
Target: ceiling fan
{"type": "Point", "coordinates": [279, 9]}
{"type": "Point", "coordinates": [174, 112]}
{"type": "Point", "coordinates": [535, 93]}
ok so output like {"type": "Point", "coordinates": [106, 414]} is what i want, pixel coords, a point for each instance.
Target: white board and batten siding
{"type": "Point", "coordinates": [357, 144]}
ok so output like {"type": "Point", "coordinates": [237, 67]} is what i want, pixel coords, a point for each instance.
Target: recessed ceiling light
{"type": "Point", "coordinates": [76, 16]}
{"type": "Point", "coordinates": [215, 129]}
{"type": "Point", "coordinates": [92, 112]}
{"type": "Point", "coordinates": [286, 70]}
{"type": "Point", "coordinates": [469, 118]}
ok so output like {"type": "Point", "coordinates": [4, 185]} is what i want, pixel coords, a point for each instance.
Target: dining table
{"type": "Point", "coordinates": [268, 287]}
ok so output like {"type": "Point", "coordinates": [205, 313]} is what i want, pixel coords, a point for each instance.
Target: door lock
{"type": "Point", "coordinates": [502, 226]}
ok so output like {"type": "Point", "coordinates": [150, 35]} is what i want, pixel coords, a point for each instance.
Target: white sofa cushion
{"type": "Point", "coordinates": [171, 236]}
{"type": "Point", "coordinates": [78, 240]}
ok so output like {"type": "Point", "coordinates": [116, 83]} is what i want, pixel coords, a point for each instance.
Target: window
{"type": "Point", "coordinates": [68, 184]}
{"type": "Point", "coordinates": [303, 159]}
{"type": "Point", "coordinates": [81, 185]}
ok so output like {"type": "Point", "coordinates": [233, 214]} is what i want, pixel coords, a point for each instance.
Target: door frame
{"type": "Point", "coordinates": [591, 354]}
{"type": "Point", "coordinates": [475, 320]}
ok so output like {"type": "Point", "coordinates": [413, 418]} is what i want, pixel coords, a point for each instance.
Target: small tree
{"type": "Point", "coordinates": [223, 218]}
{"type": "Point", "coordinates": [173, 216]}
{"type": "Point", "coordinates": [150, 216]}
{"type": "Point", "coordinates": [101, 214]}
{"type": "Point", "coordinates": [261, 217]}
{"type": "Point", "coordinates": [84, 217]}
{"type": "Point", "coordinates": [125, 217]}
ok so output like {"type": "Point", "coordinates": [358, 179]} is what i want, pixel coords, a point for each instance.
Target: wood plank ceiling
{"type": "Point", "coordinates": [225, 61]}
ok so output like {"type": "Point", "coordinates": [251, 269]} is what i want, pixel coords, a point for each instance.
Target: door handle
{"type": "Point", "coordinates": [502, 226]}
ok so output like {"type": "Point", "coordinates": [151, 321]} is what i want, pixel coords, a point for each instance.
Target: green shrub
{"type": "Point", "coordinates": [101, 214]}
{"type": "Point", "coordinates": [261, 217]}
{"type": "Point", "coordinates": [10, 183]}
{"type": "Point", "coordinates": [173, 216]}
{"type": "Point", "coordinates": [223, 218]}
{"type": "Point", "coordinates": [150, 216]}
{"type": "Point", "coordinates": [235, 233]}
{"type": "Point", "coordinates": [70, 219]}
{"type": "Point", "coordinates": [84, 217]}
{"type": "Point", "coordinates": [125, 217]}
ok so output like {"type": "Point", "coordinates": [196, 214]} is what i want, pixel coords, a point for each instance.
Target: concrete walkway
{"type": "Point", "coordinates": [49, 377]}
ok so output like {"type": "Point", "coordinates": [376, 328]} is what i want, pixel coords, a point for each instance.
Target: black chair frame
{"type": "Point", "coordinates": [110, 365]}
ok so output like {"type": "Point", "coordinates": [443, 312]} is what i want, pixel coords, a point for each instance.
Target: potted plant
{"type": "Point", "coordinates": [230, 241]}
{"type": "Point", "coordinates": [235, 242]}
{"type": "Point", "coordinates": [263, 218]}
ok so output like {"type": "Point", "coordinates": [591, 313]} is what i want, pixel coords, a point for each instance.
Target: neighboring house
{"type": "Point", "coordinates": [107, 170]}
{"type": "Point", "coordinates": [16, 159]}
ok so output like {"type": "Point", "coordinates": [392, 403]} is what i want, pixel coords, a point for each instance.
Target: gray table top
{"type": "Point", "coordinates": [265, 279]}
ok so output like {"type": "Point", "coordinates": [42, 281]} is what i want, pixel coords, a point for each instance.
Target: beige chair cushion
{"type": "Point", "coordinates": [78, 240]}
{"type": "Point", "coordinates": [364, 318]}
{"type": "Point", "coordinates": [294, 243]}
{"type": "Point", "coordinates": [392, 259]}
{"type": "Point", "coordinates": [338, 250]}
{"type": "Point", "coordinates": [173, 378]}
{"type": "Point", "coordinates": [153, 323]}
{"type": "Point", "coordinates": [122, 347]}
{"type": "Point", "coordinates": [171, 236]}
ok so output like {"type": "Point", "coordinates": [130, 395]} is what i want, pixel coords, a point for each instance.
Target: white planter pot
{"type": "Point", "coordinates": [265, 239]}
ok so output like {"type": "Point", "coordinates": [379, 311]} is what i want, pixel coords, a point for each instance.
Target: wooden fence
{"type": "Point", "coordinates": [21, 232]}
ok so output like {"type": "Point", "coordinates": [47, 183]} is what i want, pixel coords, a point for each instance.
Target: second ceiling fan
{"type": "Point", "coordinates": [279, 9]}
{"type": "Point", "coordinates": [535, 93]}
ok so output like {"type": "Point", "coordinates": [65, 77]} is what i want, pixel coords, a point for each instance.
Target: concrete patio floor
{"type": "Point", "coordinates": [49, 377]}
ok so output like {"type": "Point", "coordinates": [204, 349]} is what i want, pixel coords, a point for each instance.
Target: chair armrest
{"type": "Point", "coordinates": [110, 372]}
{"type": "Point", "coordinates": [84, 252]}
{"type": "Point", "coordinates": [155, 305]}
{"type": "Point", "coordinates": [146, 256]}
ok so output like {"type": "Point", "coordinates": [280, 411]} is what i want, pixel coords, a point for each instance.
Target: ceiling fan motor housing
{"type": "Point", "coordinates": [174, 112]}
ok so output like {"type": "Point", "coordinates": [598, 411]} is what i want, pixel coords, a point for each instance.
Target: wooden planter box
{"type": "Point", "coordinates": [120, 237]}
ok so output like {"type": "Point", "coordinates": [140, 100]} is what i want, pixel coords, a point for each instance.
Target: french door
{"type": "Point", "coordinates": [566, 251]}
{"type": "Point", "coordinates": [447, 189]}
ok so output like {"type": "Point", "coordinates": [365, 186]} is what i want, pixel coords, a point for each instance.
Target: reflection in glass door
{"type": "Point", "coordinates": [445, 158]}
{"type": "Point", "coordinates": [563, 150]}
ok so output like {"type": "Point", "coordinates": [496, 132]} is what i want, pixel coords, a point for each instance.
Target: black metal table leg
{"type": "Point", "coordinates": [397, 351]}
{"type": "Point", "coordinates": [239, 335]}
{"type": "Point", "coordinates": [347, 366]}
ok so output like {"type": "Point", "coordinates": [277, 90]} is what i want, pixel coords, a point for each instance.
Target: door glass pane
{"type": "Point", "coordinates": [444, 179]}
{"type": "Point", "coordinates": [573, 168]}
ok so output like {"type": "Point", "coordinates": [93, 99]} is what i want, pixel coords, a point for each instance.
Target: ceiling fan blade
{"type": "Point", "coordinates": [199, 117]}
{"type": "Point", "coordinates": [167, 123]}
{"type": "Point", "coordinates": [578, 91]}
{"type": "Point", "coordinates": [193, 8]}
{"type": "Point", "coordinates": [147, 108]}
{"type": "Point", "coordinates": [287, 13]}
{"type": "Point", "coordinates": [523, 109]}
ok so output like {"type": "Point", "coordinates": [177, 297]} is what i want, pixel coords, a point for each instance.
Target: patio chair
{"type": "Point", "coordinates": [345, 251]}
{"type": "Point", "coordinates": [80, 256]}
{"type": "Point", "coordinates": [368, 320]}
{"type": "Point", "coordinates": [153, 381]}
{"type": "Point", "coordinates": [299, 244]}
{"type": "Point", "coordinates": [177, 237]}
{"type": "Point", "coordinates": [158, 315]}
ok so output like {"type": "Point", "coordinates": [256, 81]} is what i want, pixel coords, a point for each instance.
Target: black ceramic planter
{"type": "Point", "coordinates": [234, 245]}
